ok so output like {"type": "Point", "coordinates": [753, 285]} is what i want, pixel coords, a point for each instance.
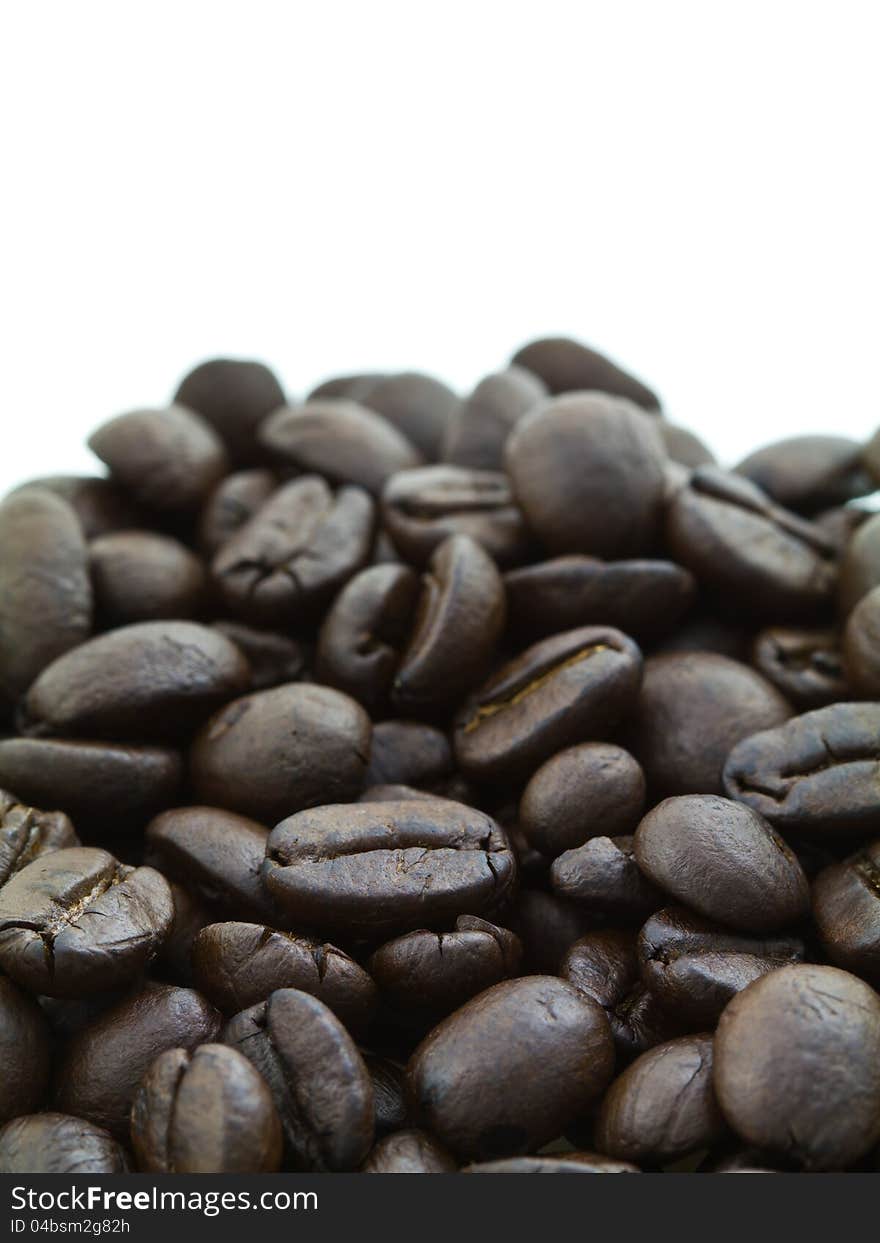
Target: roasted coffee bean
{"type": "Point", "coordinates": [45, 592]}
{"type": "Point", "coordinates": [139, 683]}
{"type": "Point", "coordinates": [216, 854]}
{"type": "Point", "coordinates": [419, 406]}
{"type": "Point", "coordinates": [741, 1161]}
{"type": "Point", "coordinates": [296, 551]}
{"type": "Point", "coordinates": [341, 440]}
{"type": "Point", "coordinates": [27, 833]}
{"type": "Point", "coordinates": [426, 974]}
{"type": "Point", "coordinates": [167, 460]}
{"type": "Point", "coordinates": [859, 565]}
{"type": "Point", "coordinates": [645, 599]}
{"type": "Point", "coordinates": [547, 925]}
{"type": "Point", "coordinates": [539, 1033]}
{"type": "Point", "coordinates": [840, 524]}
{"type": "Point", "coordinates": [408, 1152]}
{"type": "Point", "coordinates": [846, 910]}
{"type": "Point", "coordinates": [663, 1106]}
{"type": "Point", "coordinates": [234, 395]}
{"type": "Point", "coordinates": [861, 646]}
{"type": "Point", "coordinates": [355, 387]}
{"type": "Point", "coordinates": [554, 1163]}
{"type": "Point", "coordinates": [604, 876]}
{"type": "Point", "coordinates": [237, 965]}
{"type": "Point", "coordinates": [692, 709]}
{"type": "Point", "coordinates": [871, 456]}
{"type": "Point", "coordinates": [479, 426]}
{"type": "Point", "coordinates": [694, 967]}
{"type": "Point", "coordinates": [191, 915]}
{"type": "Point", "coordinates": [752, 555]}
{"type": "Point", "coordinates": [570, 688]}
{"type": "Point", "coordinates": [421, 508]}
{"type": "Point", "coordinates": [76, 922]}
{"type": "Point", "coordinates": [98, 784]}
{"type": "Point", "coordinates": [100, 505]}
{"type": "Point", "coordinates": [375, 868]}
{"type": "Point", "coordinates": [588, 471]}
{"type": "Point", "coordinates": [321, 1087]}
{"type": "Point", "coordinates": [390, 1105]}
{"type": "Point", "coordinates": [683, 446]}
{"type": "Point", "coordinates": [723, 860]}
{"type": "Point", "coordinates": [205, 1112]}
{"type": "Point", "coordinates": [797, 1066]}
{"type": "Point", "coordinates": [809, 473]}
{"type": "Point", "coordinates": [51, 1143]}
{"type": "Point", "coordinates": [595, 789]}
{"type": "Point", "coordinates": [277, 751]}
{"type": "Point", "coordinates": [105, 1062]}
{"type": "Point", "coordinates": [566, 365]}
{"type": "Point", "coordinates": [705, 631]}
{"type": "Point", "coordinates": [805, 665]}
{"type": "Point", "coordinates": [25, 1050]}
{"type": "Point", "coordinates": [408, 753]}
{"type": "Point", "coordinates": [141, 576]}
{"type": "Point", "coordinates": [273, 658]}
{"type": "Point", "coordinates": [603, 965]}
{"type": "Point", "coordinates": [232, 503]}
{"type": "Point", "coordinates": [640, 1021]}
{"type": "Point", "coordinates": [818, 773]}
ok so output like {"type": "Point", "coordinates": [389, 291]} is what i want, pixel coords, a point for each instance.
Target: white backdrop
{"type": "Point", "coordinates": [690, 186]}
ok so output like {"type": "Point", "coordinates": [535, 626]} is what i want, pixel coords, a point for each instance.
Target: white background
{"type": "Point", "coordinates": [691, 187]}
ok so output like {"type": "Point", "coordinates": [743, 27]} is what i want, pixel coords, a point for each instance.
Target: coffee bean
{"type": "Point", "coordinates": [408, 1152]}
{"type": "Point", "coordinates": [809, 473]}
{"type": "Point", "coordinates": [375, 868]}
{"type": "Point", "coordinates": [25, 1051]}
{"type": "Point", "coordinates": [408, 753]}
{"type": "Point", "coordinates": [565, 1163]}
{"type": "Point", "coordinates": [100, 505]}
{"type": "Point", "coordinates": [234, 395]}
{"type": "Point", "coordinates": [390, 1106]}
{"type": "Point", "coordinates": [603, 875]}
{"type": "Point", "coordinates": [76, 922]}
{"type": "Point", "coordinates": [26, 833]}
{"type": "Point", "coordinates": [355, 387]}
{"type": "Point", "coordinates": [273, 658]}
{"type": "Point", "coordinates": [277, 751]}
{"type": "Point", "coordinates": [539, 1033]}
{"type": "Point", "coordinates": [861, 646]}
{"type": "Point", "coordinates": [603, 965]}
{"type": "Point", "coordinates": [205, 1112]}
{"type": "Point", "coordinates": [480, 425]}
{"type": "Point", "coordinates": [565, 365]}
{"type": "Point", "coordinates": [321, 1087]}
{"type": "Point", "coordinates": [797, 1066]}
{"type": "Point", "coordinates": [231, 504]}
{"type": "Point", "coordinates": [683, 446]}
{"type": "Point", "coordinates": [860, 565]}
{"type": "Point", "coordinates": [191, 915]}
{"type": "Point", "coordinates": [139, 576]}
{"type": "Point", "coordinates": [417, 405]}
{"type": "Point", "coordinates": [547, 925]}
{"type": "Point", "coordinates": [51, 1143]}
{"type": "Point", "coordinates": [706, 631]}
{"type": "Point", "coordinates": [846, 909]}
{"type": "Point", "coordinates": [806, 666]}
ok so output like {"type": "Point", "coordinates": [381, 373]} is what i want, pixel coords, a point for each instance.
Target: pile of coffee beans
{"type": "Point", "coordinates": [405, 782]}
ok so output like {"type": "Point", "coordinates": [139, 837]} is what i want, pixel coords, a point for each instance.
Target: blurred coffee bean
{"type": "Point", "coordinates": [860, 565]}
{"type": "Point", "coordinates": [52, 1143]}
{"type": "Point", "coordinates": [683, 446]}
{"type": "Point", "coordinates": [408, 1152]}
{"type": "Point", "coordinates": [140, 576]}
{"type": "Point", "coordinates": [846, 910]}
{"type": "Point", "coordinates": [232, 503]}
{"type": "Point", "coordinates": [419, 406]}
{"type": "Point", "coordinates": [26, 834]}
{"type": "Point", "coordinates": [273, 658]}
{"type": "Point", "coordinates": [234, 395]}
{"type": "Point", "coordinates": [479, 426]}
{"type": "Point", "coordinates": [100, 505]}
{"type": "Point", "coordinates": [805, 665]}
{"type": "Point", "coordinates": [25, 1052]}
{"type": "Point", "coordinates": [861, 646]}
{"type": "Point", "coordinates": [408, 753]}
{"type": "Point", "coordinates": [565, 365]}
{"type": "Point", "coordinates": [809, 473]}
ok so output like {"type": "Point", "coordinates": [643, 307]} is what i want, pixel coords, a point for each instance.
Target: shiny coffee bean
{"type": "Point", "coordinates": [588, 471]}
{"type": "Point", "coordinates": [554, 1163]}
{"type": "Point", "coordinates": [374, 868]}
{"type": "Point", "coordinates": [141, 576]}
{"type": "Point", "coordinates": [408, 753]}
{"type": "Point", "coordinates": [139, 683]}
{"type": "Point", "coordinates": [237, 965]}
{"type": "Point", "coordinates": [604, 877]}
{"type": "Point", "coordinates": [321, 1087]}
{"type": "Point", "coordinates": [692, 709]}
{"type": "Point", "coordinates": [846, 910]}
{"type": "Point", "coordinates": [539, 1033]}
{"type": "Point", "coordinates": [104, 1063]}
{"type": "Point", "coordinates": [408, 1152]}
{"type": "Point", "coordinates": [818, 773]}
{"type": "Point", "coordinates": [232, 503]}
{"type": "Point", "coordinates": [806, 666]}
{"type": "Point", "coordinates": [51, 1143]}
{"type": "Point", "coordinates": [205, 1112]}
{"type": "Point", "coordinates": [566, 365]}
{"type": "Point", "coordinates": [390, 1106]}
{"type": "Point", "coordinates": [25, 1052]}
{"type": "Point", "coordinates": [645, 599]}
{"type": "Point", "coordinates": [594, 789]}
{"type": "Point", "coordinates": [809, 473]}
{"type": "Point", "coordinates": [166, 460]}
{"type": "Point", "coordinates": [861, 646]}
{"type": "Point", "coordinates": [273, 658]}
{"type": "Point", "coordinates": [570, 688]}
{"type": "Point", "coordinates": [419, 406]}
{"type": "Point", "coordinates": [234, 395]}
{"type": "Point", "coordinates": [45, 591]}
{"type": "Point", "coordinates": [100, 505]}
{"type": "Point", "coordinates": [603, 965]}
{"type": "Point", "coordinates": [77, 922]}
{"type": "Point", "coordinates": [479, 426]}
{"type": "Point", "coordinates": [797, 1066]}
{"type": "Point", "coordinates": [859, 565]}
{"type": "Point", "coordinates": [640, 1022]}
{"type": "Point", "coordinates": [26, 833]}
{"type": "Point", "coordinates": [277, 751]}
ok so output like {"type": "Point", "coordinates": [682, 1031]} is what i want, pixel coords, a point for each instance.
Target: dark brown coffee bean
{"type": "Point", "coordinates": [859, 565]}
{"type": "Point", "coordinates": [167, 460]}
{"type": "Point", "coordinates": [421, 508]}
{"type": "Point", "coordinates": [704, 631]}
{"type": "Point", "coordinates": [297, 550]}
{"type": "Point", "coordinates": [588, 472]}
{"type": "Point", "coordinates": [818, 773]}
{"type": "Point", "coordinates": [105, 1062]}
{"type": "Point", "coordinates": [570, 688]}
{"type": "Point", "coordinates": [205, 1112]}
{"type": "Point", "coordinates": [408, 753]}
{"type": "Point", "coordinates": [341, 440]}
{"type": "Point", "coordinates": [566, 365]}
{"type": "Point", "coordinates": [237, 965]}
{"type": "Point", "coordinates": [547, 926]}
{"type": "Point", "coordinates": [552, 1163]}
{"type": "Point", "coordinates": [408, 1152]}
{"type": "Point", "coordinates": [390, 1106]}
{"type": "Point", "coordinates": [275, 752]}
{"type": "Point", "coordinates": [51, 1143]}
{"type": "Point", "coordinates": [273, 658]}
{"type": "Point", "coordinates": [692, 709]}
{"type": "Point", "coordinates": [98, 784]}
{"type": "Point", "coordinates": [809, 473]}
{"type": "Point", "coordinates": [663, 1106]}
{"type": "Point", "coordinates": [234, 395]}
{"type": "Point", "coordinates": [604, 966]}
{"type": "Point", "coordinates": [645, 599]}
{"type": "Point", "coordinates": [805, 665]}
{"type": "Point", "coordinates": [232, 503]}
{"type": "Point", "coordinates": [539, 1033]}
{"type": "Point", "coordinates": [321, 1087]}
{"type": "Point", "coordinates": [45, 592]}
{"type": "Point", "coordinates": [76, 922]}
{"type": "Point", "coordinates": [25, 1050]}
{"type": "Point", "coordinates": [143, 682]}
{"type": "Point", "coordinates": [591, 790]}
{"type": "Point", "coordinates": [417, 405]}
{"type": "Point", "coordinates": [217, 854]}
{"type": "Point", "coordinates": [354, 387]}
{"type": "Point", "coordinates": [861, 646]}
{"type": "Point", "coordinates": [750, 554]}
{"type": "Point", "coordinates": [479, 426]}
{"type": "Point", "coordinates": [683, 446]}
{"type": "Point", "coordinates": [139, 576]}
{"type": "Point", "coordinates": [27, 833]}
{"type": "Point", "coordinates": [797, 1066]}
{"type": "Point", "coordinates": [191, 915]}
{"type": "Point", "coordinates": [603, 875]}
{"type": "Point", "coordinates": [376, 868]}
{"type": "Point", "coordinates": [846, 910]}
{"type": "Point", "coordinates": [100, 505]}
{"type": "Point", "coordinates": [640, 1022]}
